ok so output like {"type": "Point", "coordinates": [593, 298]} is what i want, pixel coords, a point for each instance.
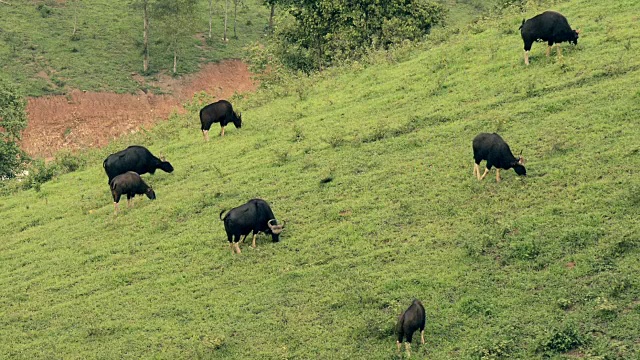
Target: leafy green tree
{"type": "Point", "coordinates": [13, 120]}
{"type": "Point", "coordinates": [325, 31]}
{"type": "Point", "coordinates": [176, 24]}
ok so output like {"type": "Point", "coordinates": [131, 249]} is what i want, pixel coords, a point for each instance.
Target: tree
{"type": "Point", "coordinates": [13, 120]}
{"type": "Point", "coordinates": [75, 5]}
{"type": "Point", "coordinates": [210, 17]}
{"type": "Point", "coordinates": [324, 31]}
{"type": "Point", "coordinates": [272, 5]}
{"type": "Point", "coordinates": [176, 24]}
{"type": "Point", "coordinates": [144, 6]}
{"type": "Point", "coordinates": [235, 15]}
{"type": "Point", "coordinates": [226, 8]}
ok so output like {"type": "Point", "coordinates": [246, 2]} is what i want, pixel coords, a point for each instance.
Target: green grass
{"type": "Point", "coordinates": [38, 44]}
{"type": "Point", "coordinates": [538, 267]}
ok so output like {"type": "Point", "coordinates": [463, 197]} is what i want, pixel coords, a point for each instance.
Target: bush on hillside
{"type": "Point", "coordinates": [561, 340]}
{"type": "Point", "coordinates": [13, 120]}
{"type": "Point", "coordinates": [40, 172]}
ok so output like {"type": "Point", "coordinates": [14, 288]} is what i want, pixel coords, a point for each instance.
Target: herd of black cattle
{"type": "Point", "coordinates": [125, 167]}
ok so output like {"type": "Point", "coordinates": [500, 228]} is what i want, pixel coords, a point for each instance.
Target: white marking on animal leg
{"type": "Point", "coordinates": [253, 244]}
{"type": "Point", "coordinates": [485, 173]}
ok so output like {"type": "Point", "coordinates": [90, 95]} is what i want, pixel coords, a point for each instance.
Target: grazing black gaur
{"type": "Point", "coordinates": [412, 319]}
{"type": "Point", "coordinates": [218, 112]}
{"type": "Point", "coordinates": [131, 184]}
{"type": "Point", "coordinates": [134, 158]}
{"type": "Point", "coordinates": [492, 148]}
{"type": "Point", "coordinates": [549, 26]}
{"type": "Point", "coordinates": [256, 216]}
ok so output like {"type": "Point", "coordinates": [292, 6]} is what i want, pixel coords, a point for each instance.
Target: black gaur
{"type": "Point", "coordinates": [492, 148]}
{"type": "Point", "coordinates": [134, 158]}
{"type": "Point", "coordinates": [412, 319]}
{"type": "Point", "coordinates": [549, 26]}
{"type": "Point", "coordinates": [131, 184]}
{"type": "Point", "coordinates": [254, 216]}
{"type": "Point", "coordinates": [218, 112]}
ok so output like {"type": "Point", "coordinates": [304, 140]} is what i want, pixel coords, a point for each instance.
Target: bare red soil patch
{"type": "Point", "coordinates": [92, 119]}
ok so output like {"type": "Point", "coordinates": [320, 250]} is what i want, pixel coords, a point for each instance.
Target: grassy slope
{"type": "Point", "coordinates": [402, 218]}
{"type": "Point", "coordinates": [108, 45]}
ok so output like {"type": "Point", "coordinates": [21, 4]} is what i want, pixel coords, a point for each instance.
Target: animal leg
{"type": "Point", "coordinates": [253, 244]}
{"type": "Point", "coordinates": [476, 171]}
{"type": "Point", "coordinates": [422, 336]}
{"type": "Point", "coordinates": [233, 250]}
{"type": "Point", "coordinates": [526, 57]}
{"type": "Point", "coordinates": [115, 208]}
{"type": "Point", "coordinates": [222, 131]}
{"type": "Point", "coordinates": [497, 175]}
{"type": "Point", "coordinates": [407, 347]}
{"type": "Point", "coordinates": [238, 248]}
{"type": "Point", "coordinates": [206, 135]}
{"type": "Point", "coordinates": [244, 238]}
{"type": "Point", "coordinates": [548, 50]}
{"type": "Point", "coordinates": [398, 345]}
{"type": "Point", "coordinates": [559, 50]}
{"type": "Point", "coordinates": [486, 170]}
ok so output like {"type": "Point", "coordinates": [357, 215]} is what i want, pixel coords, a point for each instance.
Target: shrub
{"type": "Point", "coordinates": [473, 306]}
{"type": "Point", "coordinates": [68, 162]}
{"type": "Point", "coordinates": [44, 10]}
{"type": "Point", "coordinates": [39, 173]}
{"type": "Point", "coordinates": [492, 349]}
{"type": "Point", "coordinates": [198, 101]}
{"type": "Point", "coordinates": [561, 340]}
{"type": "Point", "coordinates": [13, 120]}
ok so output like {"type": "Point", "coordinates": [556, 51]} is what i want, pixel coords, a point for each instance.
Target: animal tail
{"type": "Point", "coordinates": [202, 120]}
{"type": "Point", "coordinates": [222, 212]}
{"type": "Point", "coordinates": [520, 28]}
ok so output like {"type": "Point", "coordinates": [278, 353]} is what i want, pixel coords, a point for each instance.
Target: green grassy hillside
{"type": "Point", "coordinates": [539, 267]}
{"type": "Point", "coordinates": [38, 51]}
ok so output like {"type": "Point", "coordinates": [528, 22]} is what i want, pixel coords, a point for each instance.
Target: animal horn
{"type": "Point", "coordinates": [276, 229]}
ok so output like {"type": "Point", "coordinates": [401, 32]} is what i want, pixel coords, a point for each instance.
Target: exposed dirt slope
{"type": "Point", "coordinates": [88, 119]}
